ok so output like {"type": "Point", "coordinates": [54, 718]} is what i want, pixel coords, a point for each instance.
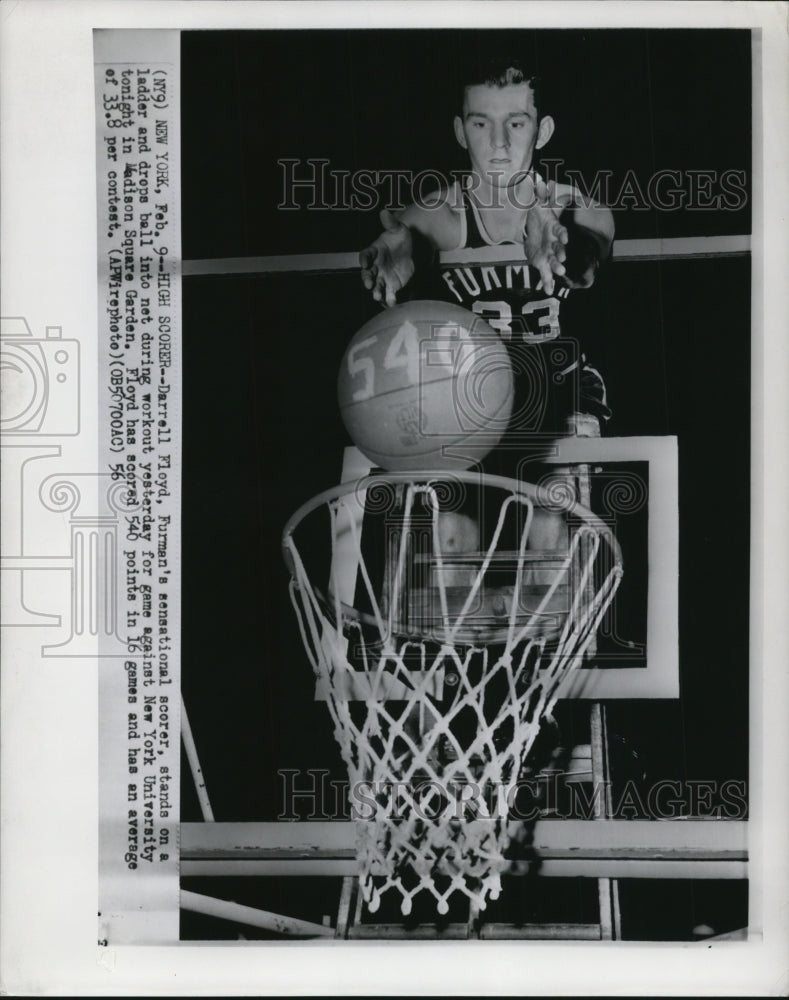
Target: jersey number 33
{"type": "Point", "coordinates": [538, 320]}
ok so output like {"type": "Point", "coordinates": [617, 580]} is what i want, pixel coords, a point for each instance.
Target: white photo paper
{"type": "Point", "coordinates": [304, 690]}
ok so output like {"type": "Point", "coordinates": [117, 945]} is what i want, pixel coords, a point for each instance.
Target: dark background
{"type": "Point", "coordinates": [622, 101]}
{"type": "Point", "coordinates": [261, 429]}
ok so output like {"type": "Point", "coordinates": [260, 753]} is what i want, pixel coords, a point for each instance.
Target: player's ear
{"type": "Point", "coordinates": [544, 131]}
{"type": "Point", "coordinates": [460, 135]}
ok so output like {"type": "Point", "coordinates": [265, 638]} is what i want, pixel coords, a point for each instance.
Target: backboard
{"type": "Point", "coordinates": [631, 483]}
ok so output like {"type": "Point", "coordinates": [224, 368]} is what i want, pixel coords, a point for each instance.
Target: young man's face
{"type": "Point", "coordinates": [500, 130]}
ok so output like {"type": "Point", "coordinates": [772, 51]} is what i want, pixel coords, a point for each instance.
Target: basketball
{"type": "Point", "coordinates": [426, 385]}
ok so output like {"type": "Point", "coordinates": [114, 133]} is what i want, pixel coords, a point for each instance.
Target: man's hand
{"type": "Point", "coordinates": [544, 235]}
{"type": "Point", "coordinates": [388, 263]}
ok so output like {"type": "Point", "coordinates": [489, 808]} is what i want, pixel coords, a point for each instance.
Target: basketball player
{"type": "Point", "coordinates": [562, 238]}
{"type": "Point", "coordinates": [504, 201]}
{"type": "Point", "coordinates": [500, 126]}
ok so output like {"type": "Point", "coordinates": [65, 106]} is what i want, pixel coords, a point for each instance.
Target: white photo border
{"type": "Point", "coordinates": [49, 727]}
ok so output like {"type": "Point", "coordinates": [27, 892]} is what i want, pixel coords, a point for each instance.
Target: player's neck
{"type": "Point", "coordinates": [497, 211]}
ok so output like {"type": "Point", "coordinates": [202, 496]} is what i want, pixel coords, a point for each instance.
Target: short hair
{"type": "Point", "coordinates": [503, 72]}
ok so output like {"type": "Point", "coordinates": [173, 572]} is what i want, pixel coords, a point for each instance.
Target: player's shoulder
{"type": "Point", "coordinates": [437, 216]}
{"type": "Point", "coordinates": [586, 211]}
{"type": "Point", "coordinates": [565, 194]}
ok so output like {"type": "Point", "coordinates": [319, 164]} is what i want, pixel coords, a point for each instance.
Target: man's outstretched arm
{"type": "Point", "coordinates": [590, 232]}
{"type": "Point", "coordinates": [408, 243]}
{"type": "Point", "coordinates": [564, 234]}
{"type": "Point", "coordinates": [388, 263]}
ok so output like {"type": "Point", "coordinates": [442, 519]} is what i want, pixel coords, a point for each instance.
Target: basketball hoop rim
{"type": "Point", "coordinates": [536, 494]}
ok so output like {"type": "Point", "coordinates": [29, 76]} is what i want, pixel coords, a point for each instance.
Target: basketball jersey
{"type": "Point", "coordinates": [509, 297]}
{"type": "Point", "coordinates": [552, 380]}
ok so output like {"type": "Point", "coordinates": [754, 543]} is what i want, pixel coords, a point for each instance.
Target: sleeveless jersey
{"type": "Point", "coordinates": [552, 378]}
{"type": "Point", "coordinates": [510, 297]}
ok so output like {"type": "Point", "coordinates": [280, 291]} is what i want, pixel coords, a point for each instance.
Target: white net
{"type": "Point", "coordinates": [439, 662]}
